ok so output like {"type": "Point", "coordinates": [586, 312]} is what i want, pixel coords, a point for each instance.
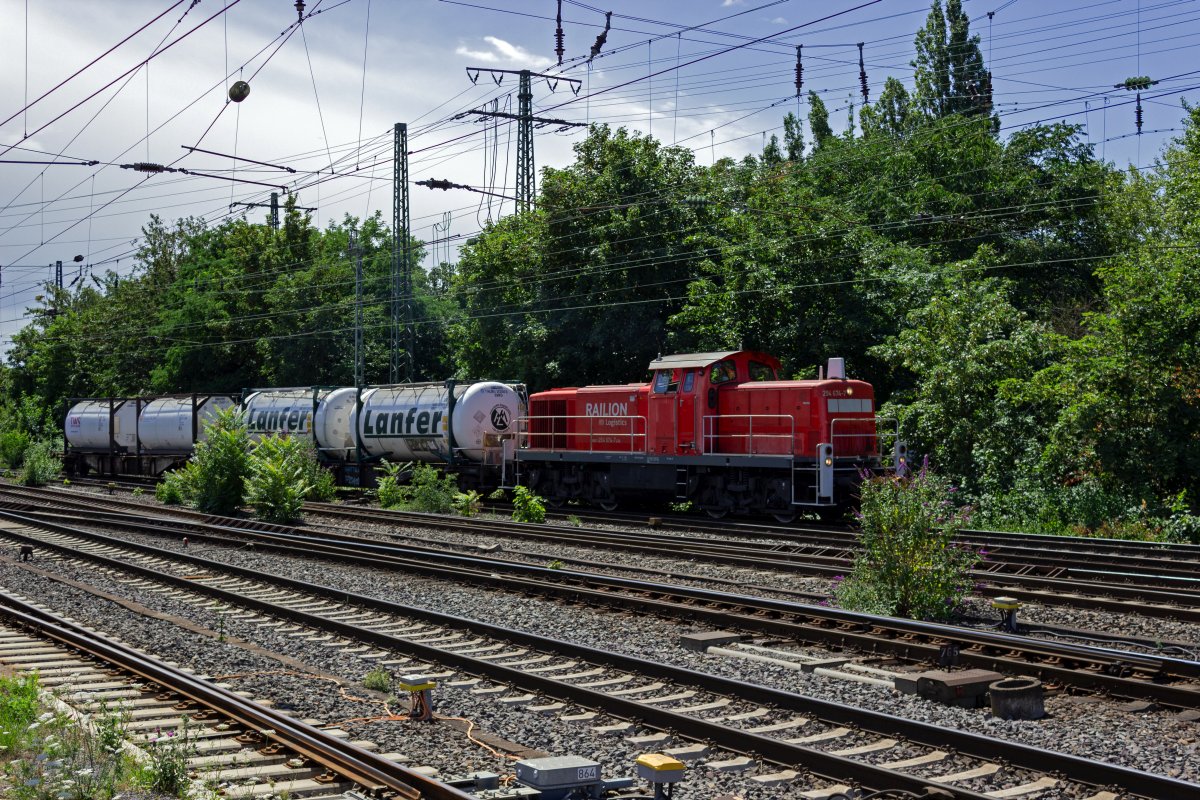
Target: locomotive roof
{"type": "Point", "coordinates": [686, 360]}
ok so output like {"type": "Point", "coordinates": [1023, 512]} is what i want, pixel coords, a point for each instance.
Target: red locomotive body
{"type": "Point", "coordinates": [717, 429]}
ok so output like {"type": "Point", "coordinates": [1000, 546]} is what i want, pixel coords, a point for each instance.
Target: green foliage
{"type": "Point", "coordinates": [214, 480]}
{"type": "Point", "coordinates": [390, 493]}
{"type": "Point", "coordinates": [378, 680]}
{"type": "Point", "coordinates": [171, 490]}
{"type": "Point", "coordinates": [169, 751]}
{"type": "Point", "coordinates": [527, 506]}
{"type": "Point", "coordinates": [40, 465]}
{"type": "Point", "coordinates": [19, 707]}
{"type": "Point", "coordinates": [950, 76]}
{"type": "Point", "coordinates": [50, 756]}
{"type": "Point", "coordinates": [280, 467]}
{"type": "Point", "coordinates": [430, 491]}
{"type": "Point", "coordinates": [13, 444]}
{"type": "Point", "coordinates": [909, 565]}
{"type": "Point", "coordinates": [555, 564]}
{"type": "Point", "coordinates": [467, 503]}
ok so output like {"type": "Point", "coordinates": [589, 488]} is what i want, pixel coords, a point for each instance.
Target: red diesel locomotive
{"type": "Point", "coordinates": [720, 430]}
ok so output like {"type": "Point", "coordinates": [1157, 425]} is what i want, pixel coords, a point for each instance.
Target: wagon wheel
{"type": "Point", "coordinates": [607, 505]}
{"type": "Point", "coordinates": [785, 517]}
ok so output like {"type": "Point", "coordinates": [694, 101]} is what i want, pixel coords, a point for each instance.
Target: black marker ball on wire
{"type": "Point", "coordinates": [239, 91]}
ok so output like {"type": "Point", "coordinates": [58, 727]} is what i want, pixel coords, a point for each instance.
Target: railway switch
{"type": "Point", "coordinates": [420, 693]}
{"type": "Point", "coordinates": [660, 770]}
{"type": "Point", "coordinates": [1007, 606]}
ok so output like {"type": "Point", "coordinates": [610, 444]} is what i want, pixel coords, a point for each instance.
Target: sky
{"type": "Point", "coordinates": [121, 82]}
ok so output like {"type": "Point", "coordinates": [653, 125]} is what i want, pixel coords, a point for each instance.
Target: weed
{"type": "Point", "coordinates": [170, 490]}
{"type": "Point", "coordinates": [555, 564]}
{"type": "Point", "coordinates": [909, 565]}
{"type": "Point", "coordinates": [167, 771]}
{"type": "Point", "coordinates": [40, 466]}
{"type": "Point", "coordinates": [215, 479]}
{"type": "Point", "coordinates": [278, 480]}
{"type": "Point", "coordinates": [378, 680]}
{"type": "Point", "coordinates": [467, 503]}
{"type": "Point", "coordinates": [574, 520]}
{"type": "Point", "coordinates": [390, 492]}
{"type": "Point", "coordinates": [527, 506]}
{"type": "Point", "coordinates": [138, 491]}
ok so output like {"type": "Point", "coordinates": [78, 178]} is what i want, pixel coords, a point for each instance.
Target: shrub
{"type": "Point", "coordinates": [278, 480]}
{"type": "Point", "coordinates": [430, 491]}
{"type": "Point", "coordinates": [215, 479]}
{"type": "Point", "coordinates": [390, 493]}
{"type": "Point", "coordinates": [40, 465]}
{"type": "Point", "coordinates": [19, 707]}
{"type": "Point", "coordinates": [170, 490]}
{"type": "Point", "coordinates": [527, 506]}
{"type": "Point", "coordinates": [13, 445]}
{"type": "Point", "coordinates": [467, 503]}
{"type": "Point", "coordinates": [909, 565]}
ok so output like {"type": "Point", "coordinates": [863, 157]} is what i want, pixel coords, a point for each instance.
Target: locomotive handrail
{"type": "Point", "coordinates": [834, 436]}
{"type": "Point", "coordinates": [711, 438]}
{"type": "Point", "coordinates": [632, 419]}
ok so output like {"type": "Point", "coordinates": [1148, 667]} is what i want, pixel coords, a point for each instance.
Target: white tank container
{"type": "Point", "coordinates": [413, 423]}
{"type": "Point", "coordinates": [165, 425]}
{"type": "Point", "coordinates": [88, 425]}
{"type": "Point", "coordinates": [284, 412]}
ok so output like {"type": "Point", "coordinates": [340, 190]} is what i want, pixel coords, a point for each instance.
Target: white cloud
{"type": "Point", "coordinates": [779, 21]}
{"type": "Point", "coordinates": [728, 3]}
{"type": "Point", "coordinates": [504, 51]}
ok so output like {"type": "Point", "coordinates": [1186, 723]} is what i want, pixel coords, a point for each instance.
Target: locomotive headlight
{"type": "Point", "coordinates": [849, 391]}
{"type": "Point", "coordinates": [829, 461]}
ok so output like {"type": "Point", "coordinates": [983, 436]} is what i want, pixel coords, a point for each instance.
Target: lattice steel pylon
{"type": "Point", "coordinates": [525, 166]}
{"type": "Point", "coordinates": [403, 339]}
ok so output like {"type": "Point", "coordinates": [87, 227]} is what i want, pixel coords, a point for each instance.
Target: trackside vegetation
{"type": "Point", "coordinates": [48, 755]}
{"type": "Point", "coordinates": [909, 564]}
{"type": "Point", "coordinates": [1028, 311]}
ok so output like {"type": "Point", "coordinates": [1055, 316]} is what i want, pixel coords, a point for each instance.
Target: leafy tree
{"type": "Point", "coordinates": [950, 76]}
{"type": "Point", "coordinates": [818, 120]}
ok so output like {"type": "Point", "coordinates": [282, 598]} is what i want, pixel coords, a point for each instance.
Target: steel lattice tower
{"type": "Point", "coordinates": [525, 167]}
{"type": "Point", "coordinates": [402, 339]}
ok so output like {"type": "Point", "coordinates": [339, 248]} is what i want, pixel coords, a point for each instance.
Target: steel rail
{"type": "Point", "coordinates": [1100, 669]}
{"type": "Point", "coordinates": [810, 760]}
{"type": "Point", "coordinates": [369, 770]}
{"type": "Point", "coordinates": [1174, 602]}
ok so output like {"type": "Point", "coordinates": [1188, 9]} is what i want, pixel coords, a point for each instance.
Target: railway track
{"type": "Point", "coordinates": [839, 747]}
{"type": "Point", "coordinates": [1147, 584]}
{"type": "Point", "coordinates": [1147, 676]}
{"type": "Point", "coordinates": [237, 742]}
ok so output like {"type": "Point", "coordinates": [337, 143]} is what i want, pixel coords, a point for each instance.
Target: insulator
{"type": "Point", "coordinates": [300, 10]}
{"type": "Point", "coordinates": [602, 38]}
{"type": "Point", "coordinates": [558, 35]}
{"type": "Point", "coordinates": [799, 69]}
{"type": "Point", "coordinates": [862, 74]}
{"type": "Point", "coordinates": [1137, 113]}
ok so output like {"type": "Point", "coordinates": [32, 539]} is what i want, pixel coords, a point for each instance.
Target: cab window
{"type": "Point", "coordinates": [689, 381]}
{"type": "Point", "coordinates": [761, 372]}
{"type": "Point", "coordinates": [661, 379]}
{"type": "Point", "coordinates": [722, 372]}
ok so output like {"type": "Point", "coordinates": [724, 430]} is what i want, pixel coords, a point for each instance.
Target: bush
{"type": "Point", "coordinates": [430, 491]}
{"type": "Point", "coordinates": [390, 493]}
{"type": "Point", "coordinates": [278, 480]}
{"type": "Point", "coordinates": [214, 480]}
{"type": "Point", "coordinates": [13, 445]}
{"type": "Point", "coordinates": [527, 506]}
{"type": "Point", "coordinates": [40, 465]}
{"type": "Point", "coordinates": [909, 565]}
{"type": "Point", "coordinates": [170, 490]}
{"type": "Point", "coordinates": [467, 503]}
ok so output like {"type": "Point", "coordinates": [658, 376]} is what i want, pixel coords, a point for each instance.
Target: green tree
{"type": "Point", "coordinates": [818, 120]}
{"type": "Point", "coordinates": [950, 75]}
